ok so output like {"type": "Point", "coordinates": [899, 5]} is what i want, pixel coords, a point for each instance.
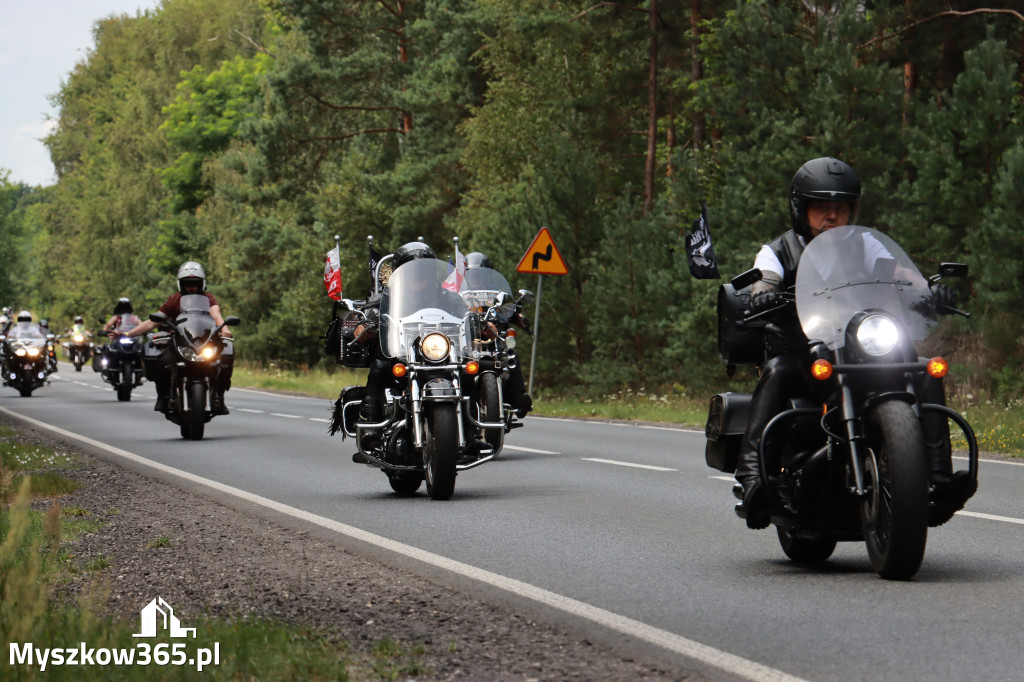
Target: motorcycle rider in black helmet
{"type": "Point", "coordinates": [824, 193]}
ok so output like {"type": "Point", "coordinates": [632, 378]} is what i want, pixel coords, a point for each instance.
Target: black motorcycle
{"type": "Point", "coordinates": [78, 349]}
{"type": "Point", "coordinates": [847, 461]}
{"type": "Point", "coordinates": [431, 423]}
{"type": "Point", "coordinates": [196, 351]}
{"type": "Point", "coordinates": [489, 296]}
{"type": "Point", "coordinates": [119, 363]}
{"type": "Point", "coordinates": [25, 363]}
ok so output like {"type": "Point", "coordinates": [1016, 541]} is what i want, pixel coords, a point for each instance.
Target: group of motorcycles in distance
{"type": "Point", "coordinates": [190, 345]}
{"type": "Point", "coordinates": [28, 355]}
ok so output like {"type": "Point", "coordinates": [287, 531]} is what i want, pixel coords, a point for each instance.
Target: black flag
{"type": "Point", "coordinates": [700, 254]}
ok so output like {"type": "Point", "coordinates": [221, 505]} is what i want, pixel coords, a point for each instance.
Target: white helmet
{"type": "Point", "coordinates": [191, 270]}
{"type": "Point", "coordinates": [24, 316]}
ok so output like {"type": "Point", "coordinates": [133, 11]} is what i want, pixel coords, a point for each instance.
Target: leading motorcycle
{"type": "Point", "coordinates": [429, 431]}
{"type": "Point", "coordinates": [25, 363]}
{"type": "Point", "coordinates": [197, 351]}
{"type": "Point", "coordinates": [847, 460]}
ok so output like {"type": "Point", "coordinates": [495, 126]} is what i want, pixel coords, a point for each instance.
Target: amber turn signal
{"type": "Point", "coordinates": [821, 369]}
{"type": "Point", "coordinates": [938, 367]}
{"type": "Point", "coordinates": [399, 370]}
{"type": "Point", "coordinates": [472, 367]}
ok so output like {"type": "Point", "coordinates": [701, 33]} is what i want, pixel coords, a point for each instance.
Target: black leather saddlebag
{"type": "Point", "coordinates": [727, 421]}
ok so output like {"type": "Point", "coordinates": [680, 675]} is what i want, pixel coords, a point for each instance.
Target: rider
{"type": "Point", "coordinates": [191, 281]}
{"type": "Point", "coordinates": [78, 327]}
{"type": "Point", "coordinates": [5, 320]}
{"type": "Point", "coordinates": [515, 387]}
{"type": "Point", "coordinates": [51, 352]}
{"type": "Point", "coordinates": [824, 193]}
{"type": "Point", "coordinates": [123, 319]}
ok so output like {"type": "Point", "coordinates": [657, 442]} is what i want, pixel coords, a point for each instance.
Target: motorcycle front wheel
{"type": "Point", "coordinates": [124, 389]}
{"type": "Point", "coordinates": [441, 442]}
{"type": "Point", "coordinates": [194, 422]}
{"type": "Point", "coordinates": [894, 517]}
{"type": "Point", "coordinates": [490, 408]}
{"type": "Point", "coordinates": [405, 483]}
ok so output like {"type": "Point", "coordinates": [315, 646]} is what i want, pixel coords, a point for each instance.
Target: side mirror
{"type": "Point", "coordinates": [102, 332]}
{"type": "Point", "coordinates": [525, 296]}
{"type": "Point", "coordinates": [159, 318]}
{"type": "Point", "coordinates": [232, 321]}
{"type": "Point", "coordinates": [953, 269]}
{"type": "Point", "coordinates": [746, 279]}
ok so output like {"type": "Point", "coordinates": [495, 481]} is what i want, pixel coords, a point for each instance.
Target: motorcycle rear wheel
{"type": "Point", "coordinates": [805, 550]}
{"type": "Point", "coordinates": [441, 442]}
{"type": "Point", "coordinates": [490, 408]}
{"type": "Point", "coordinates": [894, 516]}
{"type": "Point", "coordinates": [194, 422]}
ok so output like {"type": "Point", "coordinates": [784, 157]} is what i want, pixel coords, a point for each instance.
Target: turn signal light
{"type": "Point", "coordinates": [938, 367]}
{"type": "Point", "coordinates": [399, 370]}
{"type": "Point", "coordinates": [472, 367]}
{"type": "Point", "coordinates": [821, 370]}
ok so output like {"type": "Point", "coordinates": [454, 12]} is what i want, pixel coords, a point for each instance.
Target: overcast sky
{"type": "Point", "coordinates": [40, 43]}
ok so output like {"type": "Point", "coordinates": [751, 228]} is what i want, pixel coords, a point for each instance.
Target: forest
{"type": "Point", "coordinates": [245, 134]}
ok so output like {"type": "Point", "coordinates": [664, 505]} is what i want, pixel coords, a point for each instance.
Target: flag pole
{"type": "Point", "coordinates": [373, 275]}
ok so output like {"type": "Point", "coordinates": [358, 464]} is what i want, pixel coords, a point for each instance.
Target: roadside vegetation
{"type": "Point", "coordinates": [37, 554]}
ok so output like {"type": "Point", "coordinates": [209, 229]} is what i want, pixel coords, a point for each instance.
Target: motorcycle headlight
{"type": "Point", "coordinates": [21, 352]}
{"type": "Point", "coordinates": [877, 335]}
{"type": "Point", "coordinates": [208, 353]}
{"type": "Point", "coordinates": [188, 353]}
{"type": "Point", "coordinates": [125, 341]}
{"type": "Point", "coordinates": [435, 347]}
{"type": "Point", "coordinates": [79, 338]}
{"type": "Point", "coordinates": [33, 352]}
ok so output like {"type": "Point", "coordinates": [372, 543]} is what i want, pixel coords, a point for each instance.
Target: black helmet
{"type": "Point", "coordinates": [123, 306]}
{"type": "Point", "coordinates": [824, 179]}
{"type": "Point", "coordinates": [478, 260]}
{"type": "Point", "coordinates": [411, 251]}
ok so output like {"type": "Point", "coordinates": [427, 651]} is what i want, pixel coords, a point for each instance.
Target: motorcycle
{"type": "Point", "coordinates": [846, 461]}
{"type": "Point", "coordinates": [197, 351]}
{"type": "Point", "coordinates": [25, 360]}
{"type": "Point", "coordinates": [430, 425]}
{"type": "Point", "coordinates": [77, 349]}
{"type": "Point", "coordinates": [488, 295]}
{"type": "Point", "coordinates": [120, 364]}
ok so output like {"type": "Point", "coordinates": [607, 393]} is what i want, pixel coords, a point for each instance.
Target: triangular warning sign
{"type": "Point", "coordinates": [542, 258]}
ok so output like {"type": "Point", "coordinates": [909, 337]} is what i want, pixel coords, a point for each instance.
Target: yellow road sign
{"type": "Point", "coordinates": [542, 258]}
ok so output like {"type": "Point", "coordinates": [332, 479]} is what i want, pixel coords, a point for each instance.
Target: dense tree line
{"type": "Point", "coordinates": [246, 133]}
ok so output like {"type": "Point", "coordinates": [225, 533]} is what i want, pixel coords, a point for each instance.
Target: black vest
{"type": "Point", "coordinates": [787, 248]}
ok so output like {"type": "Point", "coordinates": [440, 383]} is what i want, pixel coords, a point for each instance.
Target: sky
{"type": "Point", "coordinates": [40, 43]}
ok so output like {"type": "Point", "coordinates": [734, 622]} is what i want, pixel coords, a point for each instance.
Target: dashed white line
{"type": "Point", "coordinates": [533, 450]}
{"type": "Point", "coordinates": [991, 517]}
{"type": "Point", "coordinates": [242, 409]}
{"type": "Point", "coordinates": [626, 464]}
{"type": "Point", "coordinates": [286, 416]}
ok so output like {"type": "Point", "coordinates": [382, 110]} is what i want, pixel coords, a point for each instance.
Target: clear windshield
{"type": "Point", "coordinates": [850, 269]}
{"type": "Point", "coordinates": [415, 303]}
{"type": "Point", "coordinates": [195, 319]}
{"type": "Point", "coordinates": [26, 331]}
{"type": "Point", "coordinates": [481, 287]}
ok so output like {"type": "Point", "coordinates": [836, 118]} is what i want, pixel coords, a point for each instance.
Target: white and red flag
{"type": "Point", "coordinates": [453, 282]}
{"type": "Point", "coordinates": [332, 273]}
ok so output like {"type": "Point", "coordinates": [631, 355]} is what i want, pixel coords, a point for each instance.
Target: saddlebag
{"type": "Point", "coordinates": [727, 421]}
{"type": "Point", "coordinates": [338, 342]}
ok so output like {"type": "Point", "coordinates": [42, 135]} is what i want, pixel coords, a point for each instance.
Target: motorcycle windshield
{"type": "Point", "coordinates": [195, 320]}
{"type": "Point", "coordinates": [846, 270]}
{"type": "Point", "coordinates": [481, 287]}
{"type": "Point", "coordinates": [417, 302]}
{"type": "Point", "coordinates": [26, 331]}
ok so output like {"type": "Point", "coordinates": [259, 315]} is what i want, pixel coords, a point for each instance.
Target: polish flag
{"type": "Point", "coordinates": [332, 274]}
{"type": "Point", "coordinates": [453, 282]}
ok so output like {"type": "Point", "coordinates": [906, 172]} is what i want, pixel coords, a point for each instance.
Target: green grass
{"type": "Point", "coordinates": [36, 553]}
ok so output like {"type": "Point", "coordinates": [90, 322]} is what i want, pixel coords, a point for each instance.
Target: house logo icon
{"type": "Point", "coordinates": [156, 612]}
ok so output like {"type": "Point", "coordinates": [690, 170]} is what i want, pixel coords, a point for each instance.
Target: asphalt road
{"type": "Point", "coordinates": [625, 525]}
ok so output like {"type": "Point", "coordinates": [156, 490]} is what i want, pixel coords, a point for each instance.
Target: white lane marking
{"type": "Point", "coordinates": [609, 423]}
{"type": "Point", "coordinates": [730, 479]}
{"type": "Point", "coordinates": [995, 461]}
{"type": "Point", "coordinates": [533, 450]}
{"type": "Point", "coordinates": [279, 395]}
{"type": "Point", "coordinates": [286, 416]}
{"type": "Point", "coordinates": [626, 464]}
{"type": "Point", "coordinates": [633, 628]}
{"type": "Point", "coordinates": [319, 419]}
{"type": "Point", "coordinates": [991, 517]}
{"type": "Point", "coordinates": [243, 409]}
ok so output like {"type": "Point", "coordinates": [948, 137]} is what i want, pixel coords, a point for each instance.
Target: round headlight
{"type": "Point", "coordinates": [877, 335]}
{"type": "Point", "coordinates": [208, 352]}
{"type": "Point", "coordinates": [435, 347]}
{"type": "Point", "coordinates": [79, 338]}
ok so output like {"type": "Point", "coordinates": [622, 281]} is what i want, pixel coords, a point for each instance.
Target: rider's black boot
{"type": "Point", "coordinates": [755, 498]}
{"type": "Point", "coordinates": [217, 405]}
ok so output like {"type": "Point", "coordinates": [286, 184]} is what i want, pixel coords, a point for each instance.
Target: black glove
{"type": "Point", "coordinates": [764, 300]}
{"type": "Point", "coordinates": [944, 298]}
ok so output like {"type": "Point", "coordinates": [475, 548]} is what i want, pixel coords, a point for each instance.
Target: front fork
{"type": "Point", "coordinates": [855, 437]}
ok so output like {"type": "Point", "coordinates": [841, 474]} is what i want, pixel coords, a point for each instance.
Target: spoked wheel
{"type": "Point", "coordinates": [405, 483]}
{"type": "Point", "coordinates": [194, 421]}
{"type": "Point", "coordinates": [440, 447]}
{"type": "Point", "coordinates": [490, 409]}
{"type": "Point", "coordinates": [804, 550]}
{"type": "Point", "coordinates": [124, 389]}
{"type": "Point", "coordinates": [894, 516]}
